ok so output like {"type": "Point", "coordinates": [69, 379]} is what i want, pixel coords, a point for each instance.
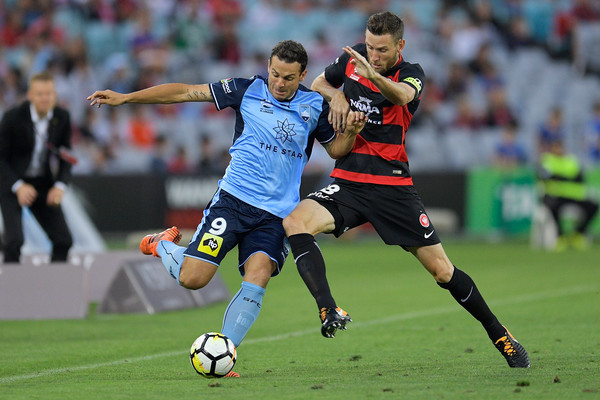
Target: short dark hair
{"type": "Point", "coordinates": [42, 77]}
{"type": "Point", "coordinates": [386, 23]}
{"type": "Point", "coordinates": [290, 51]}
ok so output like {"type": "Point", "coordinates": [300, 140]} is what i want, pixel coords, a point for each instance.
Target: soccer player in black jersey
{"type": "Point", "coordinates": [373, 182]}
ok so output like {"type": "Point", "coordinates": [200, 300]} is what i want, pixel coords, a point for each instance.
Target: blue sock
{"type": "Point", "coordinates": [242, 311]}
{"type": "Point", "coordinates": [171, 256]}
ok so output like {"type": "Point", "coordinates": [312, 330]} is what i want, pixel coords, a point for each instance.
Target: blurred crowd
{"type": "Point", "coordinates": [465, 47]}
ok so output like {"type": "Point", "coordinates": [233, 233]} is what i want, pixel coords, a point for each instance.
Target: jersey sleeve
{"type": "Point", "coordinates": [413, 76]}
{"type": "Point", "coordinates": [229, 92]}
{"type": "Point", "coordinates": [336, 71]}
{"type": "Point", "coordinates": [324, 132]}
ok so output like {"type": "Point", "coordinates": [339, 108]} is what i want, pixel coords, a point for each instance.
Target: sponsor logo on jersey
{"type": "Point", "coordinates": [305, 112]}
{"type": "Point", "coordinates": [266, 107]}
{"type": "Point", "coordinates": [280, 150]}
{"type": "Point", "coordinates": [285, 131]}
{"type": "Point", "coordinates": [210, 244]}
{"type": "Point", "coordinates": [364, 104]}
{"type": "Point", "coordinates": [225, 84]}
{"type": "Point", "coordinates": [415, 82]}
{"type": "Point", "coordinates": [424, 220]}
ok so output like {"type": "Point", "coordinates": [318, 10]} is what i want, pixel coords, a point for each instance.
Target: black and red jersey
{"type": "Point", "coordinates": [378, 155]}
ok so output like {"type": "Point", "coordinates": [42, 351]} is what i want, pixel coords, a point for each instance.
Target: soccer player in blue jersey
{"type": "Point", "coordinates": [373, 182]}
{"type": "Point", "coordinates": [277, 121]}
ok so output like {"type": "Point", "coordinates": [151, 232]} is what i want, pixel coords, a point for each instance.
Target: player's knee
{"type": "Point", "coordinates": [292, 224]}
{"type": "Point", "coordinates": [258, 277]}
{"type": "Point", "coordinates": [192, 277]}
{"type": "Point", "coordinates": [442, 270]}
{"type": "Point", "coordinates": [191, 281]}
{"type": "Point", "coordinates": [443, 276]}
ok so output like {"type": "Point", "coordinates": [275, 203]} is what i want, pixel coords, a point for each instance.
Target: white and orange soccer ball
{"type": "Point", "coordinates": [213, 355]}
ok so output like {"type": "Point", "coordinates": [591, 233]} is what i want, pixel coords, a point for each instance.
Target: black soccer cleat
{"type": "Point", "coordinates": [332, 320]}
{"type": "Point", "coordinates": [514, 353]}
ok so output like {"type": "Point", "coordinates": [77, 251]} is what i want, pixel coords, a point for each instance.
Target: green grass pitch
{"type": "Point", "coordinates": [409, 339]}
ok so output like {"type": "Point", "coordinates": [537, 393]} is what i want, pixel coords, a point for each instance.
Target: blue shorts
{"type": "Point", "coordinates": [228, 222]}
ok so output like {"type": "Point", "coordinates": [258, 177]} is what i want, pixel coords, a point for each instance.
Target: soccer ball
{"type": "Point", "coordinates": [213, 355]}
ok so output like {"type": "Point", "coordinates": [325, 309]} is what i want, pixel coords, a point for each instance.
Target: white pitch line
{"type": "Point", "coordinates": [574, 290]}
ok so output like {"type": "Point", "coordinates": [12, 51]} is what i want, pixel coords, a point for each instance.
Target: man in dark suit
{"type": "Point", "coordinates": [32, 174]}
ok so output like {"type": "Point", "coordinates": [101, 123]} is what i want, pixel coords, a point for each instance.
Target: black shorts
{"type": "Point", "coordinates": [396, 212]}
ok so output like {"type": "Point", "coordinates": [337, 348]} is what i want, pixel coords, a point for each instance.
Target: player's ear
{"type": "Point", "coordinates": [303, 75]}
{"type": "Point", "coordinates": [400, 45]}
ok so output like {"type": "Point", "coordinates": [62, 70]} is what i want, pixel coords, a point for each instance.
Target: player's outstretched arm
{"type": "Point", "coordinates": [161, 94]}
{"type": "Point", "coordinates": [343, 142]}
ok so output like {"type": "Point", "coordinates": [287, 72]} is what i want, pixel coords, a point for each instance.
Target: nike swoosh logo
{"type": "Point", "coordinates": [467, 298]}
{"type": "Point", "coordinates": [297, 258]}
{"type": "Point", "coordinates": [427, 235]}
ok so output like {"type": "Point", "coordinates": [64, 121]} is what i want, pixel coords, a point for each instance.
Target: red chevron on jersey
{"type": "Point", "coordinates": [370, 178]}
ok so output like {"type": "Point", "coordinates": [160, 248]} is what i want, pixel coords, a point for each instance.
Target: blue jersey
{"type": "Point", "coordinates": [272, 141]}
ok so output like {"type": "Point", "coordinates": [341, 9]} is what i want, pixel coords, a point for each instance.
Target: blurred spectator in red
{"type": "Point", "coordinates": [498, 113]}
{"type": "Point", "coordinates": [226, 44]}
{"type": "Point", "coordinates": [179, 163]}
{"type": "Point", "coordinates": [141, 129]}
{"type": "Point", "coordinates": [13, 29]}
{"type": "Point", "coordinates": [465, 117]}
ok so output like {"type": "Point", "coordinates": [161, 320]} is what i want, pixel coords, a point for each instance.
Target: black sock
{"type": "Point", "coordinates": [464, 291]}
{"type": "Point", "coordinates": [311, 266]}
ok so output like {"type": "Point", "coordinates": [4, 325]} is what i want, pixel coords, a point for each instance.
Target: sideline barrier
{"type": "Point", "coordinates": [145, 287]}
{"type": "Point", "coordinates": [121, 281]}
{"type": "Point", "coordinates": [46, 291]}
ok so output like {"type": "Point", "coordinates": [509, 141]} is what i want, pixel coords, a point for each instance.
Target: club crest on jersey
{"type": "Point", "coordinates": [210, 244]}
{"type": "Point", "coordinates": [424, 220]}
{"type": "Point", "coordinates": [284, 131]}
{"type": "Point", "coordinates": [305, 112]}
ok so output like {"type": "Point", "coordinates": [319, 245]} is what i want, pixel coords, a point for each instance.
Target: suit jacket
{"type": "Point", "coordinates": [17, 141]}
